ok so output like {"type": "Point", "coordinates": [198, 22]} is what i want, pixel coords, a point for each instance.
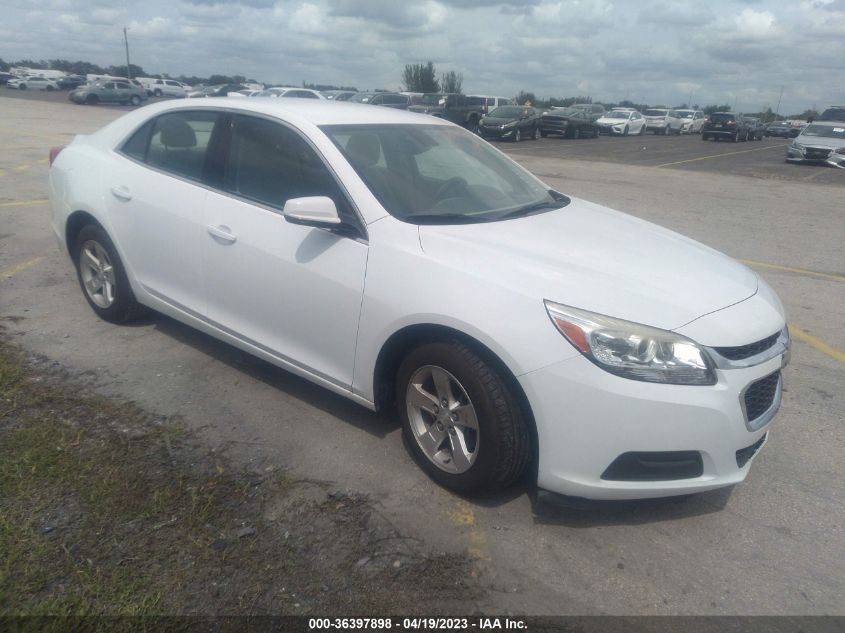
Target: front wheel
{"type": "Point", "coordinates": [102, 277]}
{"type": "Point", "coordinates": [462, 424]}
{"type": "Point", "coordinates": [517, 135]}
{"type": "Point", "coordinates": [135, 100]}
{"type": "Point", "coordinates": [157, 92]}
{"type": "Point", "coordinates": [625, 131]}
{"type": "Point", "coordinates": [92, 99]}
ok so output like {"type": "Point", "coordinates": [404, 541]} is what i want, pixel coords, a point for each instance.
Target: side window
{"type": "Point", "coordinates": [171, 83]}
{"type": "Point", "coordinates": [123, 86]}
{"type": "Point", "coordinates": [271, 164]}
{"type": "Point", "coordinates": [136, 146]}
{"type": "Point", "coordinates": [109, 86]}
{"type": "Point", "coordinates": [179, 142]}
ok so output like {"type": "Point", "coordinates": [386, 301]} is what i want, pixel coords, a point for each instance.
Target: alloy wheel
{"type": "Point", "coordinates": [97, 273]}
{"type": "Point", "coordinates": [442, 419]}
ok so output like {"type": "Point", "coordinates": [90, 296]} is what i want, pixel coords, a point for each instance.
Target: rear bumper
{"type": "Point", "coordinates": [723, 133]}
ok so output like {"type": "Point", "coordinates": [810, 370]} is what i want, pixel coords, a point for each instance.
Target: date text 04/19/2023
{"type": "Point", "coordinates": [417, 623]}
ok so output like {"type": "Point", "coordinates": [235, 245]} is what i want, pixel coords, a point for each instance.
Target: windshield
{"type": "Point", "coordinates": [565, 111]}
{"type": "Point", "coordinates": [721, 117]}
{"type": "Point", "coordinates": [439, 174]}
{"type": "Point", "coordinates": [656, 112]}
{"type": "Point", "coordinates": [361, 97]}
{"type": "Point", "coordinates": [617, 114]}
{"type": "Point", "coordinates": [432, 99]}
{"type": "Point", "coordinates": [507, 112]}
{"type": "Point", "coordinates": [826, 131]}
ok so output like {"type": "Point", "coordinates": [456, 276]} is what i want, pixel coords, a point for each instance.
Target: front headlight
{"type": "Point", "coordinates": [511, 124]}
{"type": "Point", "coordinates": [797, 146]}
{"type": "Point", "coordinates": [631, 350]}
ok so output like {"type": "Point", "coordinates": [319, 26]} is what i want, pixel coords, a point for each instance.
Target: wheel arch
{"type": "Point", "coordinates": [74, 224]}
{"type": "Point", "coordinates": [405, 339]}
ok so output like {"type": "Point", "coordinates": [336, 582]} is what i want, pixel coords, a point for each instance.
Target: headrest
{"type": "Point", "coordinates": [363, 149]}
{"type": "Point", "coordinates": [177, 133]}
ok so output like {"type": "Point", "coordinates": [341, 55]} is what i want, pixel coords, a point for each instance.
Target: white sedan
{"type": "Point", "coordinates": [622, 122]}
{"type": "Point", "coordinates": [32, 83]}
{"type": "Point", "coordinates": [399, 260]}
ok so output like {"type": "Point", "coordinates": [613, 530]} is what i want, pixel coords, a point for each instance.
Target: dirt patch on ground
{"type": "Point", "coordinates": [109, 509]}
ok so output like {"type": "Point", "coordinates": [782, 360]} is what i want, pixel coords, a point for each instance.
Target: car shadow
{"type": "Point", "coordinates": [377, 424]}
{"type": "Point", "coordinates": [547, 508]}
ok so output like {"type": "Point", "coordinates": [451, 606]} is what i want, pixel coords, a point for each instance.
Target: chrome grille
{"type": "Point", "coordinates": [742, 352]}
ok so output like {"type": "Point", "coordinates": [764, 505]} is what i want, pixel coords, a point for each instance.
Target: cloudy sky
{"type": "Point", "coordinates": [655, 51]}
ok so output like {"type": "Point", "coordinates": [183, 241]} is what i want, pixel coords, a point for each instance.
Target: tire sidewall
{"type": "Point", "coordinates": [443, 354]}
{"type": "Point", "coordinates": [123, 297]}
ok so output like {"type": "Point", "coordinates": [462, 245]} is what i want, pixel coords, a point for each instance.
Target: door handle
{"type": "Point", "coordinates": [222, 233]}
{"type": "Point", "coordinates": [121, 192]}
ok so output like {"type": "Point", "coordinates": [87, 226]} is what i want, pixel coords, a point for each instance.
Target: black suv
{"type": "Point", "coordinates": [456, 108]}
{"type": "Point", "coordinates": [727, 125]}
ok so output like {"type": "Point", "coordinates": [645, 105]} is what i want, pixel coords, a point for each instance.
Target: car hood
{"type": "Point", "coordinates": [820, 141]}
{"type": "Point", "coordinates": [597, 259]}
{"type": "Point", "coordinates": [495, 120]}
{"type": "Point", "coordinates": [607, 121]}
{"type": "Point", "coordinates": [424, 109]}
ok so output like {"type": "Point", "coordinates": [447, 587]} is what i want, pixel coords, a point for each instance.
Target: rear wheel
{"type": "Point", "coordinates": [463, 425]}
{"type": "Point", "coordinates": [102, 277]}
{"type": "Point", "coordinates": [92, 99]}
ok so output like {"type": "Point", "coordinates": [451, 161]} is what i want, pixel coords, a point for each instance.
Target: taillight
{"type": "Point", "coordinates": [54, 151]}
{"type": "Point", "coordinates": [732, 123]}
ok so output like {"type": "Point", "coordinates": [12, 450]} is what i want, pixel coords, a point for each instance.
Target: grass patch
{"type": "Point", "coordinates": [106, 509]}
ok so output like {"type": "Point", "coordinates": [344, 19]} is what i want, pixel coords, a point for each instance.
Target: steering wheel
{"type": "Point", "coordinates": [454, 186]}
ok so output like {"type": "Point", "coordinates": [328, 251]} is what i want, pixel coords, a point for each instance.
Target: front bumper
{"type": "Point", "coordinates": [817, 155]}
{"type": "Point", "coordinates": [588, 418]}
{"type": "Point", "coordinates": [497, 132]}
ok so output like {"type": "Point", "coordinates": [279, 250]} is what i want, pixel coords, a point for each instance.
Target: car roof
{"type": "Point", "coordinates": [315, 112]}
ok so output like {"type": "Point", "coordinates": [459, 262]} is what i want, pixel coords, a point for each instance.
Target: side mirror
{"type": "Point", "coordinates": [317, 211]}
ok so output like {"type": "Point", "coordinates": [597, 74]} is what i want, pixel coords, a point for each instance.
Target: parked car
{"type": "Point", "coordinates": [837, 158]}
{"type": "Point", "coordinates": [691, 121]}
{"type": "Point", "coordinates": [660, 121]}
{"type": "Point", "coordinates": [166, 88]}
{"type": "Point", "coordinates": [724, 125]}
{"type": "Point", "coordinates": [338, 95]}
{"type": "Point", "coordinates": [622, 121]}
{"type": "Point", "coordinates": [398, 259]}
{"type": "Point", "coordinates": [456, 108]}
{"type": "Point", "coordinates": [594, 111]}
{"type": "Point", "coordinates": [817, 142]}
{"type": "Point", "coordinates": [221, 90]}
{"type": "Point", "coordinates": [755, 129]}
{"type": "Point", "coordinates": [32, 83]}
{"type": "Point", "coordinates": [4, 77]}
{"type": "Point", "coordinates": [121, 92]}
{"type": "Point", "coordinates": [833, 113]}
{"type": "Point", "coordinates": [781, 129]}
{"type": "Point", "coordinates": [287, 92]}
{"type": "Point", "coordinates": [488, 104]}
{"type": "Point", "coordinates": [511, 122]}
{"type": "Point", "coordinates": [69, 82]}
{"type": "Point", "coordinates": [386, 99]}
{"type": "Point", "coordinates": [569, 122]}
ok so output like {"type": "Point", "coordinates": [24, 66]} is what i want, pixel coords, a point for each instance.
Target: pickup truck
{"type": "Point", "coordinates": [456, 108]}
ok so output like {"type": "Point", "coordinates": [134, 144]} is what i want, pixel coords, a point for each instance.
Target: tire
{"type": "Point", "coordinates": [22, 87]}
{"type": "Point", "coordinates": [500, 441]}
{"type": "Point", "coordinates": [543, 134]}
{"type": "Point", "coordinates": [157, 92]}
{"type": "Point", "coordinates": [113, 301]}
{"type": "Point", "coordinates": [534, 135]}
{"type": "Point", "coordinates": [50, 88]}
{"type": "Point", "coordinates": [135, 100]}
{"type": "Point", "coordinates": [517, 135]}
{"type": "Point", "coordinates": [625, 131]}
{"type": "Point", "coordinates": [704, 137]}
{"type": "Point", "coordinates": [92, 99]}
{"type": "Point", "coordinates": [576, 133]}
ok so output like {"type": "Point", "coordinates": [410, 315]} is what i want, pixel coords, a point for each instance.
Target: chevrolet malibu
{"type": "Point", "coordinates": [399, 260]}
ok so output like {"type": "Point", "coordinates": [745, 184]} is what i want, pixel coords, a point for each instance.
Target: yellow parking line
{"type": "Point", "coordinates": [789, 269]}
{"type": "Point", "coordinates": [463, 517]}
{"type": "Point", "coordinates": [14, 270]}
{"type": "Point", "coordinates": [49, 137]}
{"type": "Point", "coordinates": [22, 203]}
{"type": "Point", "coordinates": [742, 151]}
{"type": "Point", "coordinates": [816, 342]}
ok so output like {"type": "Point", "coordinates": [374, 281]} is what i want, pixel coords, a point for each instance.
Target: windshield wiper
{"type": "Point", "coordinates": [531, 208]}
{"type": "Point", "coordinates": [445, 218]}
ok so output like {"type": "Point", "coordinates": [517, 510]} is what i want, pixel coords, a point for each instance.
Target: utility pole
{"type": "Point", "coordinates": [126, 43]}
{"type": "Point", "coordinates": [777, 110]}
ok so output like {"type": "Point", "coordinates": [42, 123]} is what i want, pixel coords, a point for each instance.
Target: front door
{"type": "Point", "coordinates": [290, 290]}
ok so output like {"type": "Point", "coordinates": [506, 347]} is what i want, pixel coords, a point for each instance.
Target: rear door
{"type": "Point", "coordinates": [156, 193]}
